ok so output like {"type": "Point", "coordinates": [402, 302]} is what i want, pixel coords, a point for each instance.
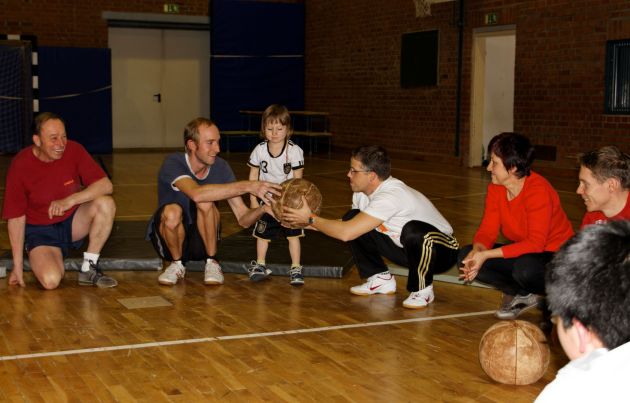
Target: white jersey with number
{"type": "Point", "coordinates": [396, 204]}
{"type": "Point", "coordinates": [279, 168]}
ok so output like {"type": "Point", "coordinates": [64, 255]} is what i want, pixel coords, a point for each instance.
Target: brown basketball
{"type": "Point", "coordinates": [292, 192]}
{"type": "Point", "coordinates": [514, 352]}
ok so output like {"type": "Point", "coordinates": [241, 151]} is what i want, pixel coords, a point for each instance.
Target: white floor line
{"type": "Point", "coordinates": [236, 337]}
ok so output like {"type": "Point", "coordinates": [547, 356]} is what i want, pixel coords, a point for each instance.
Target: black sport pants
{"type": "Point", "coordinates": [426, 251]}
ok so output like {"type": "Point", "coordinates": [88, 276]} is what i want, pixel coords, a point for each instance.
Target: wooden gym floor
{"type": "Point", "coordinates": [265, 341]}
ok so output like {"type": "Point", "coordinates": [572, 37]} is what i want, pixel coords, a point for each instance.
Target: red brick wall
{"type": "Point", "coordinates": [353, 55]}
{"type": "Point", "coordinates": [352, 71]}
{"type": "Point", "coordinates": [77, 23]}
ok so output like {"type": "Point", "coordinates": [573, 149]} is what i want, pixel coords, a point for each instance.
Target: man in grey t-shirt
{"type": "Point", "coordinates": [185, 226]}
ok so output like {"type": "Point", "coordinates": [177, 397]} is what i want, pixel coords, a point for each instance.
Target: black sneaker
{"type": "Point", "coordinates": [296, 276]}
{"type": "Point", "coordinates": [257, 272]}
{"type": "Point", "coordinates": [95, 276]}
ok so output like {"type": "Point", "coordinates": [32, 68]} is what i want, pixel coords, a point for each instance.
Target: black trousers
{"type": "Point", "coordinates": [515, 276]}
{"type": "Point", "coordinates": [426, 251]}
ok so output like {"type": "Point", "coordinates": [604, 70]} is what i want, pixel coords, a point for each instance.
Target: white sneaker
{"type": "Point", "coordinates": [381, 283]}
{"type": "Point", "coordinates": [213, 273]}
{"type": "Point", "coordinates": [420, 299]}
{"type": "Point", "coordinates": [173, 272]}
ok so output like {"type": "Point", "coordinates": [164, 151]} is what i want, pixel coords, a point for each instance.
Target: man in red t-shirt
{"type": "Point", "coordinates": [605, 185]}
{"type": "Point", "coordinates": [56, 195]}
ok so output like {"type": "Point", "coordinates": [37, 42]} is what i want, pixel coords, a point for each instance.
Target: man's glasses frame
{"type": "Point", "coordinates": [353, 171]}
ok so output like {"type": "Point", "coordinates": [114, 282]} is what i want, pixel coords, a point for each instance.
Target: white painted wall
{"type": "Point", "coordinates": [498, 114]}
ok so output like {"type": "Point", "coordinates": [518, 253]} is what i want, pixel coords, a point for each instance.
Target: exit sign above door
{"type": "Point", "coordinates": [171, 8]}
{"type": "Point", "coordinates": [491, 18]}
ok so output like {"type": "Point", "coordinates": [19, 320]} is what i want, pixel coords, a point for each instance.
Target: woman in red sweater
{"type": "Point", "coordinates": [526, 209]}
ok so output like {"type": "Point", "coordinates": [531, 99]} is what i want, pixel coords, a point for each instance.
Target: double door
{"type": "Point", "coordinates": [160, 81]}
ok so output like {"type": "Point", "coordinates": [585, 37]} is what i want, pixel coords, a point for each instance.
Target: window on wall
{"type": "Point", "coordinates": [618, 77]}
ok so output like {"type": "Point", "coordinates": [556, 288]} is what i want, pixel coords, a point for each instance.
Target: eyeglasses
{"type": "Point", "coordinates": [353, 171]}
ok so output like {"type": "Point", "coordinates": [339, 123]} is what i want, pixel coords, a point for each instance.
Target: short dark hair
{"type": "Point", "coordinates": [515, 151]}
{"type": "Point", "coordinates": [191, 131]}
{"type": "Point", "coordinates": [608, 162]}
{"type": "Point", "coordinates": [589, 280]}
{"type": "Point", "coordinates": [42, 118]}
{"type": "Point", "coordinates": [374, 158]}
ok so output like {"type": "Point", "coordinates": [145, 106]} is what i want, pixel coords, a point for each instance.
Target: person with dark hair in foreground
{"type": "Point", "coordinates": [588, 291]}
{"type": "Point", "coordinates": [390, 219]}
{"type": "Point", "coordinates": [526, 209]}
{"type": "Point", "coordinates": [56, 195]}
{"type": "Point", "coordinates": [605, 185]}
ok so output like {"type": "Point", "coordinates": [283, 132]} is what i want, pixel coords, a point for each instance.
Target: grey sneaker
{"type": "Point", "coordinates": [95, 276]}
{"type": "Point", "coordinates": [213, 273]}
{"type": "Point", "coordinates": [522, 303]}
{"type": "Point", "coordinates": [257, 272]}
{"type": "Point", "coordinates": [513, 306]}
{"type": "Point", "coordinates": [505, 310]}
{"type": "Point", "coordinates": [172, 274]}
{"type": "Point", "coordinates": [296, 276]}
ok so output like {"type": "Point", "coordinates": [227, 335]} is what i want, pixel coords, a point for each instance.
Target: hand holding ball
{"type": "Point", "coordinates": [292, 192]}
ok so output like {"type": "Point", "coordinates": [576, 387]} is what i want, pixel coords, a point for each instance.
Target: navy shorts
{"type": "Point", "coordinates": [58, 235]}
{"type": "Point", "coordinates": [269, 228]}
{"type": "Point", "coordinates": [193, 248]}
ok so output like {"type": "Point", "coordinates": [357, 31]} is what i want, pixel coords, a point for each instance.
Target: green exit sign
{"type": "Point", "coordinates": [491, 18]}
{"type": "Point", "coordinates": [171, 8]}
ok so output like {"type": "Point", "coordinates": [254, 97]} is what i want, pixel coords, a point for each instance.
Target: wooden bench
{"type": "Point", "coordinates": [227, 134]}
{"type": "Point", "coordinates": [315, 135]}
{"type": "Point", "coordinates": [315, 124]}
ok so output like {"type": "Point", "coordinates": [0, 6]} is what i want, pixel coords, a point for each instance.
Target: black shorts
{"type": "Point", "coordinates": [268, 228]}
{"type": "Point", "coordinates": [193, 247]}
{"type": "Point", "coordinates": [58, 235]}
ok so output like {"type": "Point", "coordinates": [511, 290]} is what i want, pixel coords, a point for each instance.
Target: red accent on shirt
{"type": "Point", "coordinates": [534, 220]}
{"type": "Point", "coordinates": [33, 184]}
{"type": "Point", "coordinates": [597, 217]}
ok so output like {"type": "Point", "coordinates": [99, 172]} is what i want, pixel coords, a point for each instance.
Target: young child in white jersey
{"type": "Point", "coordinates": [276, 159]}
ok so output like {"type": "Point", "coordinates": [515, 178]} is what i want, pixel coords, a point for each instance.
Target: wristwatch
{"type": "Point", "coordinates": [311, 219]}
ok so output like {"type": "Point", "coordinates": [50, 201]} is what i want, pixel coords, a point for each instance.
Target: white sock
{"type": "Point", "coordinates": [87, 257]}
